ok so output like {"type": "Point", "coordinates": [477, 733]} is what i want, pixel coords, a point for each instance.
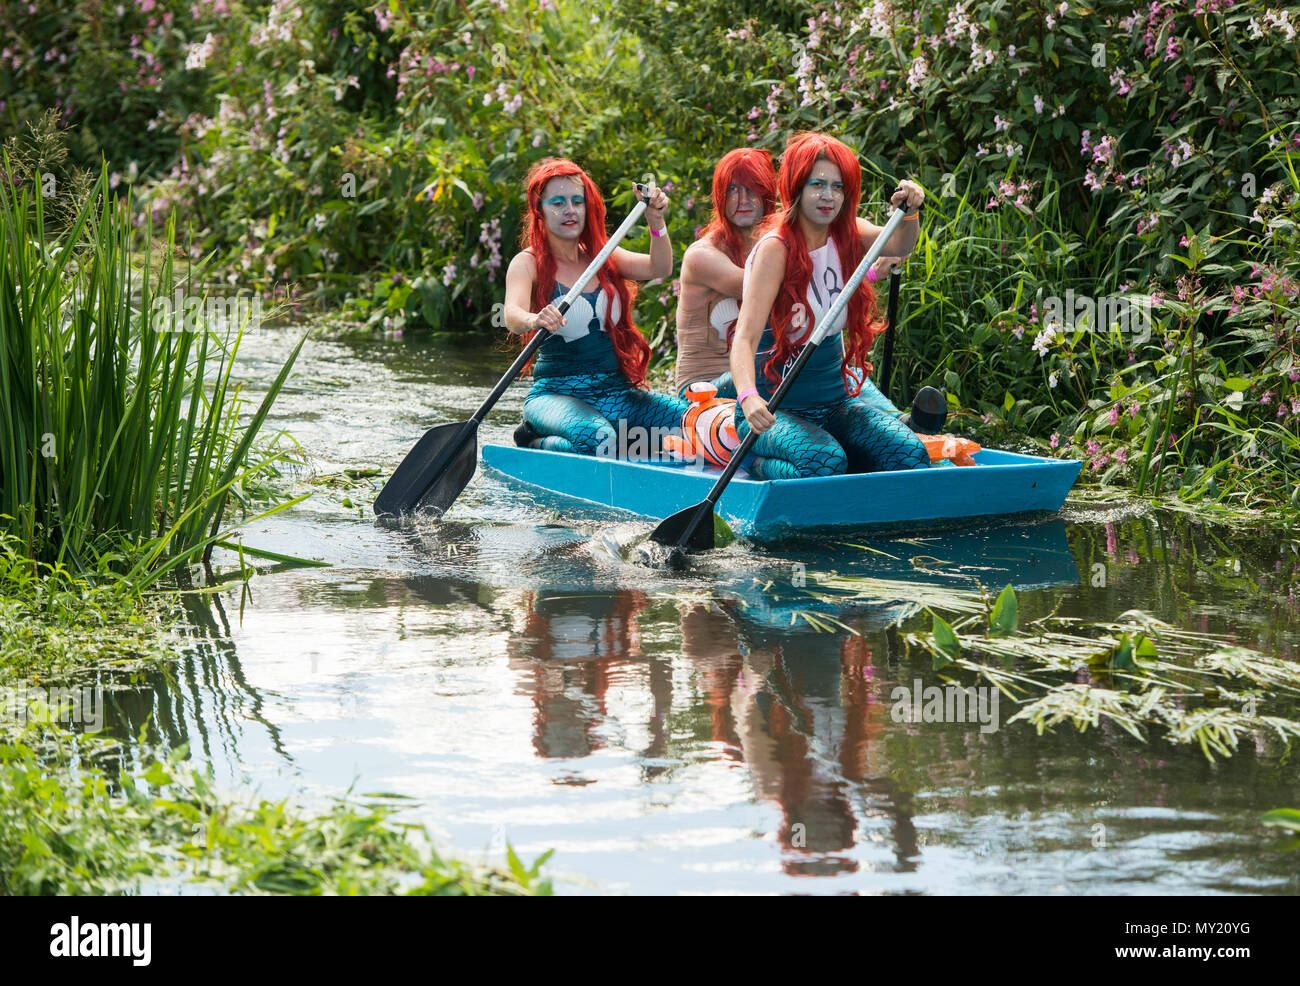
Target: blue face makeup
{"type": "Point", "coordinates": [557, 201]}
{"type": "Point", "coordinates": [816, 185]}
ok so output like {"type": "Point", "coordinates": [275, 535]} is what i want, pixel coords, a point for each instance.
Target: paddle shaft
{"type": "Point", "coordinates": [822, 329]}
{"type": "Point", "coordinates": [470, 428]}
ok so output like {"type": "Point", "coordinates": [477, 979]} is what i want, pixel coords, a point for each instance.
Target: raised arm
{"type": "Point", "coordinates": [755, 309]}
{"type": "Point", "coordinates": [903, 242]}
{"type": "Point", "coordinates": [659, 261]}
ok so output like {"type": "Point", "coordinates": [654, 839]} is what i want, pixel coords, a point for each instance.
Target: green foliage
{"type": "Point", "coordinates": [121, 424]}
{"type": "Point", "coordinates": [1284, 818]}
{"type": "Point", "coordinates": [68, 828]}
{"type": "Point", "coordinates": [53, 622]}
{"type": "Point", "coordinates": [1208, 699]}
{"type": "Point", "coordinates": [117, 72]}
{"type": "Point", "coordinates": [947, 646]}
{"type": "Point", "coordinates": [1003, 618]}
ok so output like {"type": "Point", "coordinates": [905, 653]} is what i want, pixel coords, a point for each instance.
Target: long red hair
{"type": "Point", "coordinates": [801, 154]}
{"type": "Point", "coordinates": [632, 349]}
{"type": "Point", "coordinates": [744, 166]}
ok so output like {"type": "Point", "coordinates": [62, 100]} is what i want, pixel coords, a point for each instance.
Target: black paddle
{"type": "Point", "coordinates": [686, 531]}
{"type": "Point", "coordinates": [442, 463]}
{"type": "Point", "coordinates": [891, 329]}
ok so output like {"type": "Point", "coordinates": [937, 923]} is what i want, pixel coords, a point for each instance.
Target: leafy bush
{"type": "Point", "coordinates": [1114, 151]}
{"type": "Point", "coordinates": [1110, 151]}
{"type": "Point", "coordinates": [67, 828]}
{"type": "Point", "coordinates": [123, 74]}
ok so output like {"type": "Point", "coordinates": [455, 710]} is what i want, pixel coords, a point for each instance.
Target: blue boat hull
{"type": "Point", "coordinates": [1001, 483]}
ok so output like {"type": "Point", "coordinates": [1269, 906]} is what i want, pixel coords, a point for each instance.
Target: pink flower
{"type": "Point", "coordinates": [1114, 414]}
{"type": "Point", "coordinates": [1056, 439]}
{"type": "Point", "coordinates": [1267, 398]}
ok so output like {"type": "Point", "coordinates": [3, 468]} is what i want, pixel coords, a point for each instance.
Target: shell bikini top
{"type": "Point", "coordinates": [723, 316]}
{"type": "Point", "coordinates": [590, 312]}
{"type": "Point", "coordinates": [823, 288]}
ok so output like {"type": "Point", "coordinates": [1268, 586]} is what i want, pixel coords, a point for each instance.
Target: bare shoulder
{"type": "Point", "coordinates": [523, 263]}
{"type": "Point", "coordinates": [771, 250]}
{"type": "Point", "coordinates": [699, 253]}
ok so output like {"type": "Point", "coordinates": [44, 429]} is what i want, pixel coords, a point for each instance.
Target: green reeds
{"type": "Point", "coordinates": [121, 423]}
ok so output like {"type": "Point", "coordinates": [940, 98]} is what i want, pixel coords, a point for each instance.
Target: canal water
{"type": "Point", "coordinates": [518, 676]}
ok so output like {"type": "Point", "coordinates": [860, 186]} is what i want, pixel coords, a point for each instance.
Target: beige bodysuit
{"type": "Point", "coordinates": [702, 350]}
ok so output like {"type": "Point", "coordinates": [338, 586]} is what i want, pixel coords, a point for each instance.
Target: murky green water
{"type": "Point", "coordinates": [695, 733]}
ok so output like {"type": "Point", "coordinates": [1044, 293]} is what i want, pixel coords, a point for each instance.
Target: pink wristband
{"type": "Point", "coordinates": [740, 398]}
{"type": "Point", "coordinates": [663, 231]}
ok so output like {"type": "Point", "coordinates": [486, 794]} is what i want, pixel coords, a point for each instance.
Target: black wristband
{"type": "Point", "coordinates": [899, 188]}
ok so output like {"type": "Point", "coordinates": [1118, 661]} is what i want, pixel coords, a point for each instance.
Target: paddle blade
{"type": "Point", "coordinates": [442, 494]}
{"type": "Point", "coordinates": [689, 530]}
{"type": "Point", "coordinates": [423, 467]}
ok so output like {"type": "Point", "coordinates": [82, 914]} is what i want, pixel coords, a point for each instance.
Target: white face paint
{"type": "Point", "coordinates": [822, 196]}
{"type": "Point", "coordinates": [565, 208]}
{"type": "Point", "coordinates": [744, 205]}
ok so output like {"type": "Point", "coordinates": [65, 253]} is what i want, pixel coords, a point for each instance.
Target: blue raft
{"type": "Point", "coordinates": [998, 485]}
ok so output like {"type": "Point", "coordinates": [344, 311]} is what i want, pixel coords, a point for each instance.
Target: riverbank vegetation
{"type": "Point", "coordinates": [1134, 165]}
{"type": "Point", "coordinates": [82, 813]}
{"type": "Point", "coordinates": [126, 455]}
{"type": "Point", "coordinates": [122, 442]}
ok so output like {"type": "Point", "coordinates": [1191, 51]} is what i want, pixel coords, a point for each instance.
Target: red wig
{"type": "Point", "coordinates": [632, 349]}
{"type": "Point", "coordinates": [801, 154]}
{"type": "Point", "coordinates": [744, 166]}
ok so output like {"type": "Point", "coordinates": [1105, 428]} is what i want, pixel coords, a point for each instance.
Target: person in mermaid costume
{"type": "Point", "coordinates": [588, 394]}
{"type": "Point", "coordinates": [744, 192]}
{"type": "Point", "coordinates": [833, 419]}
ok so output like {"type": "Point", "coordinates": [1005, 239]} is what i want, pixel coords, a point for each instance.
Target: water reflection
{"type": "Point", "coordinates": [802, 712]}
{"type": "Point", "coordinates": [730, 730]}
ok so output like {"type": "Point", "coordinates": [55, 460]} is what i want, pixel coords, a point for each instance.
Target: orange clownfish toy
{"type": "Point", "coordinates": [959, 450]}
{"type": "Point", "coordinates": [708, 427]}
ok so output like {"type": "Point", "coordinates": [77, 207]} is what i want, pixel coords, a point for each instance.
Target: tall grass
{"type": "Point", "coordinates": [120, 428]}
